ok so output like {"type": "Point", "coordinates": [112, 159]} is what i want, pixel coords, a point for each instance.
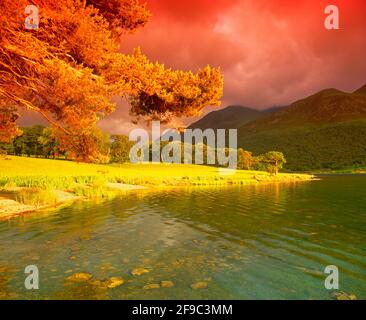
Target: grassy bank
{"type": "Point", "coordinates": [67, 175]}
{"type": "Point", "coordinates": [350, 170]}
{"type": "Point", "coordinates": [347, 170]}
{"type": "Point", "coordinates": [91, 180]}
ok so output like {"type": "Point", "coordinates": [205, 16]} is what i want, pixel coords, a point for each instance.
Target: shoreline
{"type": "Point", "coordinates": [360, 171]}
{"type": "Point", "coordinates": [31, 184]}
{"type": "Point", "coordinates": [10, 208]}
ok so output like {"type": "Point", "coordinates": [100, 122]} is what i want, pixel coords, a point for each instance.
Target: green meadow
{"type": "Point", "coordinates": [35, 180]}
{"type": "Point", "coordinates": [58, 174]}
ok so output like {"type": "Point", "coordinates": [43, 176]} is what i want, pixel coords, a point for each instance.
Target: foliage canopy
{"type": "Point", "coordinates": [71, 66]}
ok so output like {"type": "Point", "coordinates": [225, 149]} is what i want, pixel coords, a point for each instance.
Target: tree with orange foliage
{"type": "Point", "coordinates": [69, 68]}
{"type": "Point", "coordinates": [8, 128]}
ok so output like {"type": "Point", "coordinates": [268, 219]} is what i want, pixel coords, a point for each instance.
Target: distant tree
{"type": "Point", "coordinates": [50, 145]}
{"type": "Point", "coordinates": [246, 160]}
{"type": "Point", "coordinates": [273, 160]}
{"type": "Point", "coordinates": [120, 148]}
{"type": "Point", "coordinates": [3, 153]}
{"type": "Point", "coordinates": [19, 146]}
{"type": "Point", "coordinates": [33, 145]}
{"type": "Point", "coordinates": [6, 148]}
{"type": "Point", "coordinates": [103, 142]}
{"type": "Point", "coordinates": [8, 128]}
{"type": "Point", "coordinates": [27, 143]}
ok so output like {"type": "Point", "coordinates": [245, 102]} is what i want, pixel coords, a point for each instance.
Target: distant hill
{"type": "Point", "coordinates": [326, 106]}
{"type": "Point", "coordinates": [324, 131]}
{"type": "Point", "coordinates": [362, 90]}
{"type": "Point", "coordinates": [231, 117]}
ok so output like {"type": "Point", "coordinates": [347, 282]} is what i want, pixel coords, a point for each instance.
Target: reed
{"type": "Point", "coordinates": [90, 180]}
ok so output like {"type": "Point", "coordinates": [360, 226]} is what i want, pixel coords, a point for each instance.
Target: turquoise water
{"type": "Point", "coordinates": [250, 242]}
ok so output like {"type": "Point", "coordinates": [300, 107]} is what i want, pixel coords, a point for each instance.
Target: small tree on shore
{"type": "Point", "coordinates": [120, 148]}
{"type": "Point", "coordinates": [50, 146]}
{"type": "Point", "coordinates": [245, 160]}
{"type": "Point", "coordinates": [273, 161]}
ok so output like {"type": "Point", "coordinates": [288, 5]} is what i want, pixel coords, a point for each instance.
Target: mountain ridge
{"type": "Point", "coordinates": [326, 106]}
{"type": "Point", "coordinates": [230, 117]}
{"type": "Point", "coordinates": [326, 130]}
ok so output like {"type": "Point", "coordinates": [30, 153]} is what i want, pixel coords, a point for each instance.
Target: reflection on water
{"type": "Point", "coordinates": [267, 241]}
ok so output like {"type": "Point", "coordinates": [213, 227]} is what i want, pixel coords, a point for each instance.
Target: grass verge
{"type": "Point", "coordinates": [36, 180]}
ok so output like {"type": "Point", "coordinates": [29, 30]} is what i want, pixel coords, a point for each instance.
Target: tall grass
{"type": "Point", "coordinates": [36, 197]}
{"type": "Point", "coordinates": [90, 180]}
{"type": "Point", "coordinates": [49, 182]}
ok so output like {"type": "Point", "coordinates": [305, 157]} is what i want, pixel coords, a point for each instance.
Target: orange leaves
{"type": "Point", "coordinates": [69, 69]}
{"type": "Point", "coordinates": [158, 93]}
{"type": "Point", "coordinates": [127, 15]}
{"type": "Point", "coordinates": [75, 95]}
{"type": "Point", "coordinates": [57, 70]}
{"type": "Point", "coordinates": [165, 93]}
{"type": "Point", "coordinates": [8, 129]}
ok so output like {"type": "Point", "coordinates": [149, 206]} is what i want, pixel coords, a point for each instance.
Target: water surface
{"type": "Point", "coordinates": [252, 242]}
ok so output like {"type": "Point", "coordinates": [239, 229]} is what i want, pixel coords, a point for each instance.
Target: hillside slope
{"type": "Point", "coordinates": [324, 131]}
{"type": "Point", "coordinates": [231, 117]}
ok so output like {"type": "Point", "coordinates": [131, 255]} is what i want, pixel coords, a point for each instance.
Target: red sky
{"type": "Point", "coordinates": [271, 52]}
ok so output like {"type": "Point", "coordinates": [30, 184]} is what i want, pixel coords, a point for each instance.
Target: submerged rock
{"type": "Point", "coordinates": [85, 237]}
{"type": "Point", "coordinates": [114, 282]}
{"type": "Point", "coordinates": [167, 284]}
{"type": "Point", "coordinates": [199, 285]}
{"type": "Point", "coordinates": [79, 277]}
{"type": "Point", "coordinates": [151, 286]}
{"type": "Point", "coordinates": [4, 269]}
{"type": "Point", "coordinates": [97, 283]}
{"type": "Point", "coordinates": [139, 271]}
{"type": "Point", "coordinates": [87, 279]}
{"type": "Point", "coordinates": [106, 267]}
{"type": "Point", "coordinates": [341, 295]}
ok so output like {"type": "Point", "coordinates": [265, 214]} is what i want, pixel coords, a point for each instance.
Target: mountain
{"type": "Point", "coordinates": [326, 130]}
{"type": "Point", "coordinates": [231, 117]}
{"type": "Point", "coordinates": [362, 90]}
{"type": "Point", "coordinates": [326, 106]}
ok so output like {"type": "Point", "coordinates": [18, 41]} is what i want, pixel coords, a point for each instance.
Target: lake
{"type": "Point", "coordinates": [268, 241]}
